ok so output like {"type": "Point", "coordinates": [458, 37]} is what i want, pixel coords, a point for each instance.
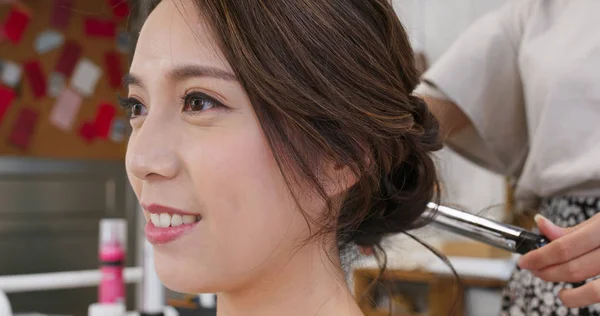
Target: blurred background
{"type": "Point", "coordinates": [62, 142]}
{"type": "Point", "coordinates": [63, 139]}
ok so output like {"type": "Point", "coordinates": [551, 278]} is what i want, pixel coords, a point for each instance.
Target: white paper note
{"type": "Point", "coordinates": [48, 40]}
{"type": "Point", "coordinates": [11, 73]}
{"type": "Point", "coordinates": [123, 42]}
{"type": "Point", "coordinates": [86, 77]}
{"type": "Point", "coordinates": [118, 130]}
{"type": "Point", "coordinates": [56, 84]}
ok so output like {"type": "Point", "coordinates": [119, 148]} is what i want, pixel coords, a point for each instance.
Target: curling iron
{"type": "Point", "coordinates": [504, 236]}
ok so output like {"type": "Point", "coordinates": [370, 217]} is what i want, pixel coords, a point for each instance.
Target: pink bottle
{"type": "Point", "coordinates": [113, 241]}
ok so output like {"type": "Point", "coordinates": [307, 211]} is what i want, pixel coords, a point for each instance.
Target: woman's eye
{"type": "Point", "coordinates": [138, 109]}
{"type": "Point", "coordinates": [199, 102]}
{"type": "Point", "coordinates": [134, 107]}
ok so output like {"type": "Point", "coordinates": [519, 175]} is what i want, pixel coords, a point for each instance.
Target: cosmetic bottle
{"type": "Point", "coordinates": [112, 253]}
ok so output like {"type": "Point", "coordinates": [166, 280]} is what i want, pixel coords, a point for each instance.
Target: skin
{"type": "Point", "coordinates": [214, 161]}
{"type": "Point", "coordinates": [572, 256]}
{"type": "Point", "coordinates": [450, 117]}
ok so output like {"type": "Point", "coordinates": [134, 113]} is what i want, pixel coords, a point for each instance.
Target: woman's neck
{"type": "Point", "coordinates": [308, 284]}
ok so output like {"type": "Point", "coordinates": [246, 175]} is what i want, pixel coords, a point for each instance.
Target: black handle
{"type": "Point", "coordinates": [529, 241]}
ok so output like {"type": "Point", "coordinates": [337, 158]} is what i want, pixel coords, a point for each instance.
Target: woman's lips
{"type": "Point", "coordinates": [167, 224]}
{"type": "Point", "coordinates": [163, 235]}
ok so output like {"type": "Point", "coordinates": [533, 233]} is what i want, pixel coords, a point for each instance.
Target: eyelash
{"type": "Point", "coordinates": [128, 104]}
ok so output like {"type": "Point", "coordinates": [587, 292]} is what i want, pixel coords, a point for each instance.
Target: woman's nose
{"type": "Point", "coordinates": [152, 153]}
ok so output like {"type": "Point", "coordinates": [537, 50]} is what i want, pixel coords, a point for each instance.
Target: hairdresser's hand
{"type": "Point", "coordinates": [572, 256]}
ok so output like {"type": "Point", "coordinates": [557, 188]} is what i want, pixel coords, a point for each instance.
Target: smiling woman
{"type": "Point", "coordinates": [268, 137]}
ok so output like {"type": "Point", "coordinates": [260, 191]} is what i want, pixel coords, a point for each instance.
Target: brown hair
{"type": "Point", "coordinates": [332, 80]}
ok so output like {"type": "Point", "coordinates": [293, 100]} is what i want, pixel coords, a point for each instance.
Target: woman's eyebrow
{"type": "Point", "coordinates": [183, 72]}
{"type": "Point", "coordinates": [131, 80]}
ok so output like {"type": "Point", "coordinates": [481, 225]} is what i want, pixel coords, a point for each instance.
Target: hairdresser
{"type": "Point", "coordinates": [519, 93]}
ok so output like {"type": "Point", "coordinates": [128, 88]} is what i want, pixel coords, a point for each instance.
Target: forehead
{"type": "Point", "coordinates": [175, 33]}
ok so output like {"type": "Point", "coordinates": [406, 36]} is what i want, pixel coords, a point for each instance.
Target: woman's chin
{"type": "Point", "coordinates": [178, 275]}
{"type": "Point", "coordinates": [186, 282]}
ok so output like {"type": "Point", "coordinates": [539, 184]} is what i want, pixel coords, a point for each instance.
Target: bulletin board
{"type": "Point", "coordinates": [61, 63]}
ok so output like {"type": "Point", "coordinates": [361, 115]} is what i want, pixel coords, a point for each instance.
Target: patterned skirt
{"type": "Point", "coordinates": [526, 295]}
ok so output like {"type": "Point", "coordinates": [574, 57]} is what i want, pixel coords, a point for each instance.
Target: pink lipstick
{"type": "Point", "coordinates": [167, 224]}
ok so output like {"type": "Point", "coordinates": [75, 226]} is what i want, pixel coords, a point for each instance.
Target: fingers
{"type": "Point", "coordinates": [572, 256]}
{"type": "Point", "coordinates": [577, 270]}
{"type": "Point", "coordinates": [587, 294]}
{"type": "Point", "coordinates": [548, 229]}
{"type": "Point", "coordinates": [569, 244]}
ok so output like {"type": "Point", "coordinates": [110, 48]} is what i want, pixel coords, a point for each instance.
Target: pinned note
{"type": "Point", "coordinates": [120, 8]}
{"type": "Point", "coordinates": [7, 95]}
{"type": "Point", "coordinates": [36, 78]}
{"type": "Point", "coordinates": [23, 128]}
{"type": "Point", "coordinates": [87, 131]}
{"type": "Point", "coordinates": [86, 77]}
{"type": "Point", "coordinates": [118, 130]}
{"type": "Point", "coordinates": [123, 42]}
{"type": "Point", "coordinates": [113, 67]}
{"type": "Point", "coordinates": [56, 84]}
{"type": "Point", "coordinates": [47, 41]}
{"type": "Point", "coordinates": [61, 13]}
{"type": "Point", "coordinates": [15, 25]}
{"type": "Point", "coordinates": [68, 58]}
{"type": "Point", "coordinates": [65, 110]}
{"type": "Point", "coordinates": [104, 117]}
{"type": "Point", "coordinates": [11, 73]}
{"type": "Point", "coordinates": [100, 28]}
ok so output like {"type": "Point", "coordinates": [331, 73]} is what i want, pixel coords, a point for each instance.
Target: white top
{"type": "Point", "coordinates": [528, 77]}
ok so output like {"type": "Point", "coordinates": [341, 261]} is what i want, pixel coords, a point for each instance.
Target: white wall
{"type": "Point", "coordinates": [433, 26]}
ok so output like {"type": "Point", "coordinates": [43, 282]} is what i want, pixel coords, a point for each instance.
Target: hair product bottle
{"type": "Point", "coordinates": [112, 253]}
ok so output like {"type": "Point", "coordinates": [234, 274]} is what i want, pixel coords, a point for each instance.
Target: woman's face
{"type": "Point", "coordinates": [197, 149]}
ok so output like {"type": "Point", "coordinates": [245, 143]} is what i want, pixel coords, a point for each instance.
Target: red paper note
{"type": "Point", "coordinates": [36, 78]}
{"type": "Point", "coordinates": [61, 13]}
{"type": "Point", "coordinates": [104, 117]}
{"type": "Point", "coordinates": [113, 68]}
{"type": "Point", "coordinates": [87, 131]}
{"type": "Point", "coordinates": [120, 8]}
{"type": "Point", "coordinates": [100, 28]}
{"type": "Point", "coordinates": [15, 25]}
{"type": "Point", "coordinates": [7, 95]}
{"type": "Point", "coordinates": [68, 58]}
{"type": "Point", "coordinates": [24, 127]}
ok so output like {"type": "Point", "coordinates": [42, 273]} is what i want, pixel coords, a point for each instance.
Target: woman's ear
{"type": "Point", "coordinates": [338, 178]}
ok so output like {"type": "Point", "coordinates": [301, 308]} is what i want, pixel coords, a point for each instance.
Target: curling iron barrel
{"type": "Point", "coordinates": [504, 236]}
